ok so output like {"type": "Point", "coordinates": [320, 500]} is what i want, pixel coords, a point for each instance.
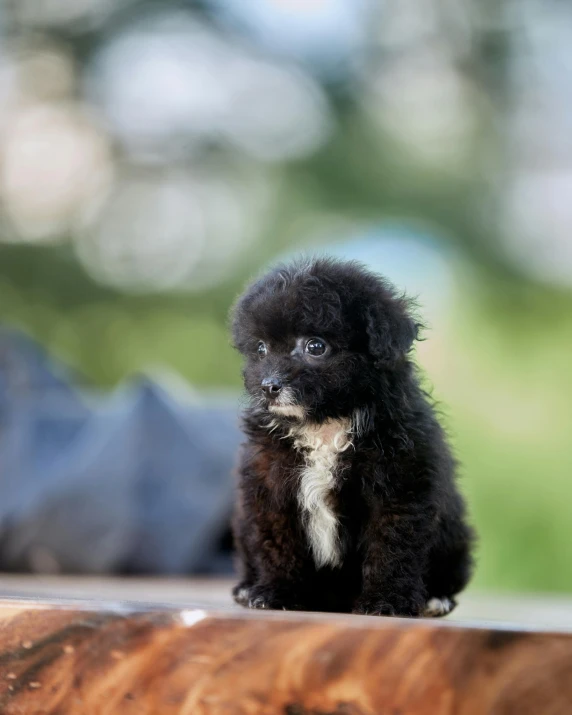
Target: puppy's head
{"type": "Point", "coordinates": [317, 335]}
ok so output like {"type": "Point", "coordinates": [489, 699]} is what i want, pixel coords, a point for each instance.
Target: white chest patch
{"type": "Point", "coordinates": [321, 445]}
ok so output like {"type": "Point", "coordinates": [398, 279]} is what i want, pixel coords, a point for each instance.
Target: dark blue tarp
{"type": "Point", "coordinates": [138, 481]}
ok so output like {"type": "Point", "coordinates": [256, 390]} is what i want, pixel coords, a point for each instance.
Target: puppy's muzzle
{"type": "Point", "coordinates": [271, 386]}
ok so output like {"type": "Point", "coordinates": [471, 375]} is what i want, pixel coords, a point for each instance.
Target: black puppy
{"type": "Point", "coordinates": [347, 496]}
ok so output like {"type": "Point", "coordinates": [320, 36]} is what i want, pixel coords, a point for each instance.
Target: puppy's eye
{"type": "Point", "coordinates": [316, 347]}
{"type": "Point", "coordinates": [262, 350]}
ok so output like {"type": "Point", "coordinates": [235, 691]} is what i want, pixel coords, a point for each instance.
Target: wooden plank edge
{"type": "Point", "coordinates": [102, 659]}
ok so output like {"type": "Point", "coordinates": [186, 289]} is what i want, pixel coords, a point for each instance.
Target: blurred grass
{"type": "Point", "coordinates": [508, 387]}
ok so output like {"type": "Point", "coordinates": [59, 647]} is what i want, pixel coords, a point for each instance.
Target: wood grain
{"type": "Point", "coordinates": [92, 659]}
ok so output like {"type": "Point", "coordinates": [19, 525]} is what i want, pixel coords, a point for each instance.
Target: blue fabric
{"type": "Point", "coordinates": [137, 481]}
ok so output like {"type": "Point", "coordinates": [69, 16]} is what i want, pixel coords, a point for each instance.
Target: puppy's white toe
{"type": "Point", "coordinates": [242, 595]}
{"type": "Point", "coordinates": [257, 603]}
{"type": "Point", "coordinates": [436, 607]}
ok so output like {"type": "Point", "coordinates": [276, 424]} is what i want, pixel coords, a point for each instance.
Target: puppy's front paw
{"type": "Point", "coordinates": [263, 597]}
{"type": "Point", "coordinates": [267, 597]}
{"type": "Point", "coordinates": [252, 596]}
{"type": "Point", "coordinates": [372, 606]}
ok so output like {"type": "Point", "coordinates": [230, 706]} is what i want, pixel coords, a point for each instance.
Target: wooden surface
{"type": "Point", "coordinates": [181, 647]}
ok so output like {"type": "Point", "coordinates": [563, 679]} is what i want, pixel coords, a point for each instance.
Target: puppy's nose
{"type": "Point", "coordinates": [271, 386]}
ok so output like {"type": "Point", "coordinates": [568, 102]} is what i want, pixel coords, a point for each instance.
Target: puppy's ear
{"type": "Point", "coordinates": [391, 330]}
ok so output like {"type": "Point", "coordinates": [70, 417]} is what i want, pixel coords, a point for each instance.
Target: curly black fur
{"type": "Point", "coordinates": [402, 536]}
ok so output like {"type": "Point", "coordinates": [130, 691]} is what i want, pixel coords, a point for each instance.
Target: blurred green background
{"type": "Point", "coordinates": [156, 155]}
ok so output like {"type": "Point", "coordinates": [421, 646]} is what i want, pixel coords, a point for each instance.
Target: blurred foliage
{"type": "Point", "coordinates": [507, 385]}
